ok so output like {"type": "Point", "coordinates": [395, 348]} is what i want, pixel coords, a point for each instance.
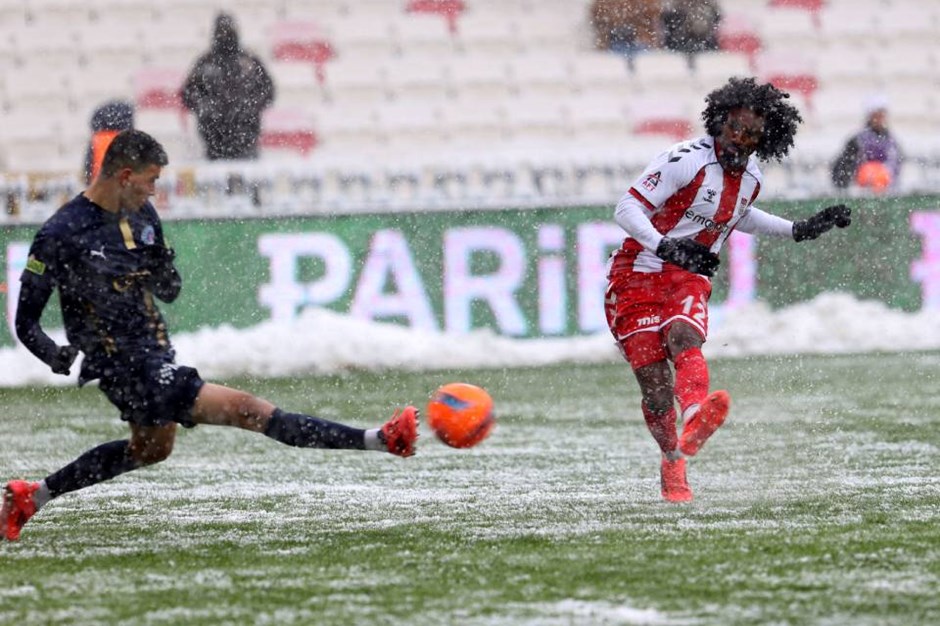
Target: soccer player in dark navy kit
{"type": "Point", "coordinates": [105, 252]}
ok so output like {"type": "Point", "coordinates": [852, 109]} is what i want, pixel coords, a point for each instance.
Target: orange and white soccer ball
{"type": "Point", "coordinates": [461, 415]}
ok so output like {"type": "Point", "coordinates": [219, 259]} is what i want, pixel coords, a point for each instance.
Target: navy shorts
{"type": "Point", "coordinates": [154, 392]}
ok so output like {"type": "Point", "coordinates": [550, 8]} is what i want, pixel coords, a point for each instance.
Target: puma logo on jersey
{"type": "Point", "coordinates": [97, 253]}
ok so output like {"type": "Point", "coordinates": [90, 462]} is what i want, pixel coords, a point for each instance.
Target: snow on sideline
{"type": "Point", "coordinates": [323, 342]}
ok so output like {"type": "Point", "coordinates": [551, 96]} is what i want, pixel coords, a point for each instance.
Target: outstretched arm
{"type": "Point", "coordinates": [838, 216]}
{"type": "Point", "coordinates": [34, 294]}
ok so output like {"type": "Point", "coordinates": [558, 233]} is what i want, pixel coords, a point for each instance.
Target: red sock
{"type": "Point", "coordinates": [663, 428]}
{"type": "Point", "coordinates": [691, 378]}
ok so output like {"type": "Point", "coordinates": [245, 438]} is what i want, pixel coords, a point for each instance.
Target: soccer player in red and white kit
{"type": "Point", "coordinates": [677, 215]}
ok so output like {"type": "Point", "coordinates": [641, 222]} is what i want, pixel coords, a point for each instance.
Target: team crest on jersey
{"type": "Point", "coordinates": [652, 181]}
{"type": "Point", "coordinates": [744, 202]}
{"type": "Point", "coordinates": [147, 235]}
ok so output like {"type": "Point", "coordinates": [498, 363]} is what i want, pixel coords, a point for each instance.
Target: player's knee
{"type": "Point", "coordinates": [152, 453]}
{"type": "Point", "coordinates": [658, 401]}
{"type": "Point", "coordinates": [681, 337]}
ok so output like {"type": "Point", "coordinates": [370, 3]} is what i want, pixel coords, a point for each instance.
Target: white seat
{"type": "Point", "coordinates": [49, 44]}
{"type": "Point", "coordinates": [600, 72]}
{"type": "Point", "coordinates": [356, 76]}
{"type": "Point", "coordinates": [418, 77]}
{"type": "Point", "coordinates": [597, 117]}
{"type": "Point", "coordinates": [662, 69]}
{"type": "Point", "coordinates": [362, 36]}
{"type": "Point", "coordinates": [480, 74]}
{"type": "Point", "coordinates": [58, 13]}
{"type": "Point", "coordinates": [479, 33]}
{"type": "Point", "coordinates": [474, 122]}
{"type": "Point", "coordinates": [541, 75]}
{"type": "Point", "coordinates": [107, 42]}
{"type": "Point", "coordinates": [422, 34]}
{"type": "Point", "coordinates": [555, 33]}
{"type": "Point", "coordinates": [35, 89]}
{"type": "Point", "coordinates": [535, 112]}
{"type": "Point", "coordinates": [345, 125]}
{"type": "Point", "coordinates": [295, 84]}
{"type": "Point", "coordinates": [713, 69]}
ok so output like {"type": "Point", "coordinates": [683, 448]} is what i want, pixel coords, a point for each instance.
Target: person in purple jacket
{"type": "Point", "coordinates": [871, 157]}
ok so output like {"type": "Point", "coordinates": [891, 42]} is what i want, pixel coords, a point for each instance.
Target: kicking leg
{"type": "Point", "coordinates": [223, 406]}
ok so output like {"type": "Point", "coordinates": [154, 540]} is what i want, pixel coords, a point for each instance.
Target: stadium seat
{"type": "Point", "coordinates": [287, 130]}
{"type": "Point", "coordinates": [597, 118]}
{"type": "Point", "coordinates": [713, 69]}
{"type": "Point", "coordinates": [361, 36]}
{"type": "Point", "coordinates": [738, 33]}
{"type": "Point", "coordinates": [449, 10]}
{"type": "Point", "coordinates": [357, 76]}
{"type": "Point", "coordinates": [38, 89]}
{"type": "Point", "coordinates": [790, 72]}
{"type": "Point", "coordinates": [108, 44]}
{"type": "Point", "coordinates": [552, 33]}
{"type": "Point", "coordinates": [535, 119]}
{"type": "Point", "coordinates": [662, 70]}
{"type": "Point", "coordinates": [487, 34]}
{"type": "Point", "coordinates": [666, 117]}
{"type": "Point", "coordinates": [545, 75]}
{"type": "Point", "coordinates": [601, 73]}
{"type": "Point", "coordinates": [344, 127]}
{"type": "Point", "coordinates": [423, 35]}
{"type": "Point", "coordinates": [478, 76]}
{"type": "Point", "coordinates": [424, 76]}
{"type": "Point", "coordinates": [296, 84]}
{"type": "Point", "coordinates": [811, 7]}
{"type": "Point", "coordinates": [302, 42]}
{"type": "Point", "coordinates": [158, 88]}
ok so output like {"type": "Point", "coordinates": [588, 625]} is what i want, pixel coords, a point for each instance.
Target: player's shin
{"type": "Point", "coordinates": [663, 428]}
{"type": "Point", "coordinates": [305, 431]}
{"type": "Point", "coordinates": [94, 466]}
{"type": "Point", "coordinates": [691, 380]}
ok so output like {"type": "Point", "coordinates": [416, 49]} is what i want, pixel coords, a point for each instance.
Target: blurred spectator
{"type": "Point", "coordinates": [227, 89]}
{"type": "Point", "coordinates": [626, 26]}
{"type": "Point", "coordinates": [106, 121]}
{"type": "Point", "coordinates": [690, 26]}
{"type": "Point", "coordinates": [872, 157]}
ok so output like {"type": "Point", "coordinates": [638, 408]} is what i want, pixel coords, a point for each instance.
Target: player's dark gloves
{"type": "Point", "coordinates": [63, 359]}
{"type": "Point", "coordinates": [812, 227]}
{"type": "Point", "coordinates": [689, 255]}
{"type": "Point", "coordinates": [164, 279]}
{"type": "Point", "coordinates": [157, 258]}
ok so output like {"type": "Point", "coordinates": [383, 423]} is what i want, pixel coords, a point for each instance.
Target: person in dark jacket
{"type": "Point", "coordinates": [106, 122]}
{"type": "Point", "coordinates": [227, 89]}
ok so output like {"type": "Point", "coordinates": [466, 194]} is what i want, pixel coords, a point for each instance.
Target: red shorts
{"type": "Point", "coordinates": [640, 307]}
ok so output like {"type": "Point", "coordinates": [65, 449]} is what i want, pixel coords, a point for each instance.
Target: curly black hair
{"type": "Point", "coordinates": [780, 117]}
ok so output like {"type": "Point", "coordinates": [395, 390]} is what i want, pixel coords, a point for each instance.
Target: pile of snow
{"type": "Point", "coordinates": [322, 342]}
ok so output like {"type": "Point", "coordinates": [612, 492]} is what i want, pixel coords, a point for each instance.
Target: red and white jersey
{"type": "Point", "coordinates": [686, 194]}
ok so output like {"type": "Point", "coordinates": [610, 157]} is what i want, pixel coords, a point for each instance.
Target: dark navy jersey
{"type": "Point", "coordinates": [98, 260]}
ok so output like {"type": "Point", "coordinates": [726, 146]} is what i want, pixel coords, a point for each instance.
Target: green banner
{"type": "Point", "coordinates": [525, 273]}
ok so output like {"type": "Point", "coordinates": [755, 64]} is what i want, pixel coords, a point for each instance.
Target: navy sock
{"type": "Point", "coordinates": [304, 431]}
{"type": "Point", "coordinates": [94, 466]}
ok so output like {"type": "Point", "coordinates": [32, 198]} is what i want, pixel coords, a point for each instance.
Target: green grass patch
{"type": "Point", "coordinates": [817, 503]}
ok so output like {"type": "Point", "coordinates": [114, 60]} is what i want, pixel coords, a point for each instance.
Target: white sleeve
{"type": "Point", "coordinates": [633, 216]}
{"type": "Point", "coordinates": [758, 222]}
